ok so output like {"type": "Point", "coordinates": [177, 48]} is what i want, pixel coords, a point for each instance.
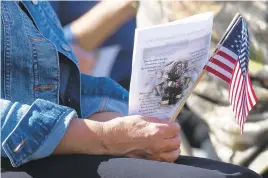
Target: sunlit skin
{"type": "Point", "coordinates": [134, 136]}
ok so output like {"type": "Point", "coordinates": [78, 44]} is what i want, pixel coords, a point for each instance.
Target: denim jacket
{"type": "Point", "coordinates": [32, 119]}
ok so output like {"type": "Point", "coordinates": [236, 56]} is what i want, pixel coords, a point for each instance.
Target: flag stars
{"type": "Point", "coordinates": [232, 46]}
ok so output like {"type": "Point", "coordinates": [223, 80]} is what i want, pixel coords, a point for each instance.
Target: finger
{"type": "Point", "coordinates": [170, 156]}
{"type": "Point", "coordinates": [141, 154]}
{"type": "Point", "coordinates": [157, 120]}
{"type": "Point", "coordinates": [171, 130]}
{"type": "Point", "coordinates": [170, 144]}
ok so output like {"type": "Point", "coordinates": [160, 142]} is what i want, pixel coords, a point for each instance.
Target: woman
{"type": "Point", "coordinates": [56, 122]}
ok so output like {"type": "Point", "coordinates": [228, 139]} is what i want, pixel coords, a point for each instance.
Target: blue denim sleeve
{"type": "Point", "coordinates": [68, 34]}
{"type": "Point", "coordinates": [32, 132]}
{"type": "Point", "coordinates": [101, 94]}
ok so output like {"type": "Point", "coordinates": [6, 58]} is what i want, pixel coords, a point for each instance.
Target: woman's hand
{"type": "Point", "coordinates": [142, 137]}
{"type": "Point", "coordinates": [133, 136]}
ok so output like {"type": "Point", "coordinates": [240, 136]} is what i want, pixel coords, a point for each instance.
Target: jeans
{"type": "Point", "coordinates": [93, 166]}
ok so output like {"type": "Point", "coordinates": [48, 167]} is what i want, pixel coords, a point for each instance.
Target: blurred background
{"type": "Point", "coordinates": [209, 129]}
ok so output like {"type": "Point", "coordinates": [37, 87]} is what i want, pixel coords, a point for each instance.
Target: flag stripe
{"type": "Point", "coordinates": [235, 83]}
{"type": "Point", "coordinates": [231, 56]}
{"type": "Point", "coordinates": [255, 99]}
{"type": "Point", "coordinates": [236, 102]}
{"type": "Point", "coordinates": [218, 74]}
{"type": "Point", "coordinates": [249, 101]}
{"type": "Point", "coordinates": [238, 115]}
{"type": "Point", "coordinates": [220, 70]}
{"type": "Point", "coordinates": [231, 87]}
{"type": "Point", "coordinates": [244, 102]}
{"type": "Point", "coordinates": [222, 65]}
{"type": "Point", "coordinates": [224, 61]}
{"type": "Point", "coordinates": [241, 112]}
{"type": "Point", "coordinates": [245, 112]}
{"type": "Point", "coordinates": [249, 96]}
{"type": "Point", "coordinates": [227, 57]}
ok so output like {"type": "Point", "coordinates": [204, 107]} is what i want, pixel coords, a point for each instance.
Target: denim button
{"type": "Point", "coordinates": [35, 2]}
{"type": "Point", "coordinates": [65, 47]}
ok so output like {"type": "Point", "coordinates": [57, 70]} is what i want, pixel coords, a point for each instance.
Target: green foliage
{"type": "Point", "coordinates": [256, 54]}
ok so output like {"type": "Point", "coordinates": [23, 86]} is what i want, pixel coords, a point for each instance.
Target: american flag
{"type": "Point", "coordinates": [230, 63]}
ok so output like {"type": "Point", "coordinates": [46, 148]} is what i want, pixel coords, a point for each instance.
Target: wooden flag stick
{"type": "Point", "coordinates": [200, 77]}
{"type": "Point", "coordinates": [176, 113]}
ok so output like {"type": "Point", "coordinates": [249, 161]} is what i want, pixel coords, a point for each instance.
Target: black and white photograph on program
{"type": "Point", "coordinates": [172, 82]}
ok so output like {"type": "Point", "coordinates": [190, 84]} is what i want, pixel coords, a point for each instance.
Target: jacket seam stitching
{"type": "Point", "coordinates": [7, 52]}
{"type": "Point", "coordinates": [29, 44]}
{"type": "Point", "coordinates": [57, 58]}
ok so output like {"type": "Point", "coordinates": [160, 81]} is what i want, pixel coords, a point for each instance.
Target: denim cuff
{"type": "Point", "coordinates": [38, 132]}
{"type": "Point", "coordinates": [102, 94]}
{"type": "Point", "coordinates": [54, 137]}
{"type": "Point", "coordinates": [102, 104]}
{"type": "Point", "coordinates": [68, 34]}
{"type": "Point", "coordinates": [112, 105]}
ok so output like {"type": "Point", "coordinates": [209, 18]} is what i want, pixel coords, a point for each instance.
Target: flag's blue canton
{"type": "Point", "coordinates": [234, 39]}
{"type": "Point", "coordinates": [243, 56]}
{"type": "Point", "coordinates": [238, 42]}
